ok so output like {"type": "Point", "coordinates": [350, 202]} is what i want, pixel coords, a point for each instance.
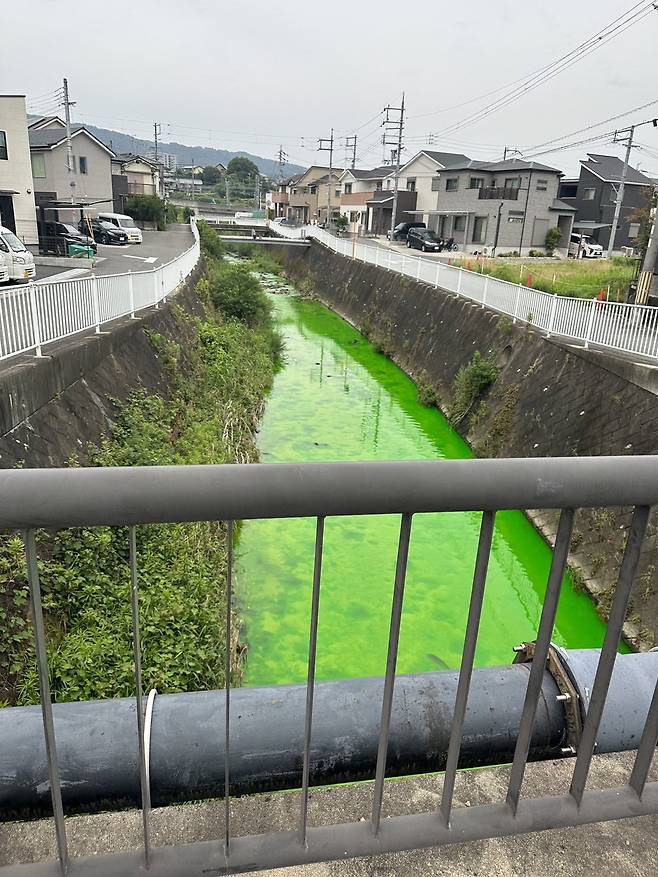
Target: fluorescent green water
{"type": "Point", "coordinates": [337, 399]}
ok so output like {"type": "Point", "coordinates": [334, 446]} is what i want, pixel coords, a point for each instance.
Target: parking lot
{"type": "Point", "coordinates": [158, 247]}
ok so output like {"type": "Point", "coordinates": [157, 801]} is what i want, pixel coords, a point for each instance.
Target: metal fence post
{"type": "Point", "coordinates": [484, 291]}
{"type": "Point", "coordinates": [418, 268]}
{"type": "Point", "coordinates": [516, 303]}
{"type": "Point", "coordinates": [35, 317]}
{"type": "Point", "coordinates": [376, 256]}
{"type": "Point", "coordinates": [97, 306]}
{"type": "Point", "coordinates": [155, 287]}
{"type": "Point", "coordinates": [459, 280]}
{"type": "Point", "coordinates": [590, 321]}
{"type": "Point", "coordinates": [551, 319]}
{"type": "Point", "coordinates": [162, 284]}
{"type": "Point", "coordinates": [131, 291]}
{"type": "Point", "coordinates": [436, 280]}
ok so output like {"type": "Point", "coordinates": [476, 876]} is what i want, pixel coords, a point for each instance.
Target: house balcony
{"type": "Point", "coordinates": [303, 199]}
{"type": "Point", "coordinates": [495, 193]}
{"type": "Point", "coordinates": [358, 198]}
{"type": "Point", "coordinates": [280, 198]}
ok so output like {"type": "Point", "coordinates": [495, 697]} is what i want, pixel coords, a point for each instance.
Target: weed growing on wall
{"type": "Point", "coordinates": [471, 382]}
{"type": "Point", "coordinates": [217, 380]}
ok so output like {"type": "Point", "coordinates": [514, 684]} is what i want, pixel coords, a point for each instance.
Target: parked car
{"type": "Point", "coordinates": [581, 246]}
{"type": "Point", "coordinates": [56, 237]}
{"type": "Point", "coordinates": [424, 239]}
{"type": "Point", "coordinates": [103, 232]}
{"type": "Point", "coordinates": [18, 260]}
{"type": "Point", "coordinates": [288, 222]}
{"type": "Point", "coordinates": [402, 229]}
{"type": "Point", "coordinates": [125, 223]}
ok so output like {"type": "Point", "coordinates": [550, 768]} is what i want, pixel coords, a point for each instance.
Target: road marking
{"type": "Point", "coordinates": [65, 275]}
{"type": "Point", "coordinates": [149, 260]}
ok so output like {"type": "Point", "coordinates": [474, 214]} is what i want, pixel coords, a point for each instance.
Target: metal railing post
{"type": "Point", "coordinates": [34, 311]}
{"type": "Point", "coordinates": [376, 257]}
{"type": "Point", "coordinates": [590, 322]}
{"type": "Point", "coordinates": [459, 280]}
{"type": "Point", "coordinates": [388, 267]}
{"type": "Point", "coordinates": [436, 279]}
{"type": "Point", "coordinates": [516, 302]}
{"type": "Point", "coordinates": [155, 287]}
{"type": "Point", "coordinates": [97, 306]}
{"type": "Point", "coordinates": [131, 292]}
{"type": "Point", "coordinates": [418, 269]}
{"type": "Point", "coordinates": [162, 284]}
{"type": "Point", "coordinates": [484, 291]}
{"type": "Point", "coordinates": [551, 319]}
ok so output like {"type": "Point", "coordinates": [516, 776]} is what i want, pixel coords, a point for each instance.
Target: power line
{"type": "Point", "coordinates": [545, 74]}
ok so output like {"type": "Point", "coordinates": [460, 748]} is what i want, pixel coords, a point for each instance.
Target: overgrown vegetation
{"type": "Point", "coordinates": [427, 394]}
{"type": "Point", "coordinates": [472, 381]}
{"type": "Point", "coordinates": [147, 208]}
{"type": "Point", "coordinates": [217, 378]}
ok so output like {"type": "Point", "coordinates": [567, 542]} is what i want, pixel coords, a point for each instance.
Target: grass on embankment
{"type": "Point", "coordinates": [216, 388]}
{"type": "Point", "coordinates": [583, 278]}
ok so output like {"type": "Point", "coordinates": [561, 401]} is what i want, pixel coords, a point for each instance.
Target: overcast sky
{"type": "Point", "coordinates": [254, 74]}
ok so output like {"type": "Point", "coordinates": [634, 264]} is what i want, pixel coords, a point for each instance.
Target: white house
{"type": "Point", "coordinates": [17, 210]}
{"type": "Point", "coordinates": [419, 175]}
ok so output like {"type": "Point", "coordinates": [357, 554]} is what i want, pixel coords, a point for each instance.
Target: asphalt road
{"type": "Point", "coordinates": [158, 247]}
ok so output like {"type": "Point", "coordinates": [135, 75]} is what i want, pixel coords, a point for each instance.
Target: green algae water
{"type": "Point", "coordinates": [337, 399]}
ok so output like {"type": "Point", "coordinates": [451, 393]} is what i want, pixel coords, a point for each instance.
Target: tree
{"type": "Point", "coordinates": [553, 237]}
{"type": "Point", "coordinates": [242, 168]}
{"type": "Point", "coordinates": [211, 175]}
{"type": "Point", "coordinates": [146, 208]}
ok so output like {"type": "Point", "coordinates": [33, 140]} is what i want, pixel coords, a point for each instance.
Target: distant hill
{"type": "Point", "coordinates": [198, 155]}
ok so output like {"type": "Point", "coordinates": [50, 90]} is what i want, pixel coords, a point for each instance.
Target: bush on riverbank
{"type": "Point", "coordinates": [217, 371]}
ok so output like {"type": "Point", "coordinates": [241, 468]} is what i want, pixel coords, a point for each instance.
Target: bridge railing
{"type": "Point", "coordinates": [625, 327]}
{"type": "Point", "coordinates": [141, 496]}
{"type": "Point", "coordinates": [44, 311]}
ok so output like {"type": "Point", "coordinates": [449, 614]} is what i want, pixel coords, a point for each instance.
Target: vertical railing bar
{"type": "Point", "coordinates": [540, 656]}
{"type": "Point", "coordinates": [468, 657]}
{"type": "Point", "coordinates": [627, 571]}
{"type": "Point", "coordinates": [647, 747]}
{"type": "Point", "coordinates": [46, 702]}
{"type": "Point", "coordinates": [137, 659]}
{"type": "Point", "coordinates": [310, 681]}
{"type": "Point", "coordinates": [227, 714]}
{"type": "Point", "coordinates": [391, 660]}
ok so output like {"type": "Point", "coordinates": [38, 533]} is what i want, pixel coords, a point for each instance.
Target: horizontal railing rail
{"type": "Point", "coordinates": [627, 328]}
{"type": "Point", "coordinates": [41, 312]}
{"type": "Point", "coordinates": [150, 495]}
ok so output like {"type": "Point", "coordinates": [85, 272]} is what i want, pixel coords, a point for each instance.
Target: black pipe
{"type": "Point", "coordinates": [97, 740]}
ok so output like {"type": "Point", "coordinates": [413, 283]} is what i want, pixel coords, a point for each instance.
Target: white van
{"type": "Point", "coordinates": [4, 271]}
{"type": "Point", "coordinates": [583, 247]}
{"type": "Point", "coordinates": [18, 260]}
{"type": "Point", "coordinates": [125, 223]}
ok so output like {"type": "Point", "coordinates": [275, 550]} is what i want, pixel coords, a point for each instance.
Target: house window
{"type": "Point", "coordinates": [588, 194]}
{"type": "Point", "coordinates": [452, 184]}
{"type": "Point", "coordinates": [633, 229]}
{"type": "Point", "coordinates": [348, 188]}
{"type": "Point", "coordinates": [355, 216]}
{"type": "Point", "coordinates": [337, 193]}
{"type": "Point", "coordinates": [3, 145]}
{"type": "Point", "coordinates": [479, 229]}
{"type": "Point", "coordinates": [388, 184]}
{"type": "Point", "coordinates": [38, 166]}
{"type": "Point", "coordinates": [312, 190]}
{"type": "Point", "coordinates": [411, 184]}
{"type": "Point", "coordinates": [436, 184]}
{"type": "Point", "coordinates": [476, 183]}
{"type": "Point", "coordinates": [83, 164]}
{"type": "Point", "coordinates": [460, 223]}
{"type": "Point", "coordinates": [512, 183]}
{"type": "Point", "coordinates": [542, 185]}
{"type": "Point", "coordinates": [379, 185]}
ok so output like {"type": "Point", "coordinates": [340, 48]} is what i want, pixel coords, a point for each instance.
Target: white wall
{"type": "Point", "coordinates": [16, 171]}
{"type": "Point", "coordinates": [423, 169]}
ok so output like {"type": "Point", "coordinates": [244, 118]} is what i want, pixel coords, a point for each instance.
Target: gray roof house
{"type": "Point", "coordinates": [593, 196]}
{"type": "Point", "coordinates": [507, 205]}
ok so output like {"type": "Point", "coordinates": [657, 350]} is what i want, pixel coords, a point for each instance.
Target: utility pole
{"type": "Point", "coordinates": [647, 282]}
{"type": "Point", "coordinates": [628, 138]}
{"type": "Point", "coordinates": [282, 158]}
{"type": "Point", "coordinates": [500, 213]}
{"type": "Point", "coordinates": [330, 150]}
{"type": "Point", "coordinates": [350, 143]}
{"type": "Point", "coordinates": [157, 129]}
{"type": "Point", "coordinates": [69, 146]}
{"type": "Point", "coordinates": [394, 125]}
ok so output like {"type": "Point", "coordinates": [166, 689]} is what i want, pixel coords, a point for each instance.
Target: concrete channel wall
{"type": "Point", "coordinates": [548, 400]}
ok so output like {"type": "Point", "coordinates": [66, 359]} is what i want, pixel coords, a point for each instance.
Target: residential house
{"type": "Point", "coordinates": [357, 188]}
{"type": "Point", "coordinates": [281, 198]}
{"type": "Point", "coordinates": [594, 194]}
{"type": "Point", "coordinates": [509, 205]}
{"type": "Point", "coordinates": [135, 175]}
{"type": "Point", "coordinates": [305, 197]}
{"type": "Point", "coordinates": [89, 181]}
{"type": "Point", "coordinates": [17, 211]}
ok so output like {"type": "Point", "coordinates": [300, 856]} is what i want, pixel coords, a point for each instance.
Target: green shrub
{"type": "Point", "coordinates": [470, 384]}
{"type": "Point", "coordinates": [237, 294]}
{"type": "Point", "coordinates": [147, 208]}
{"type": "Point", "coordinates": [427, 394]}
{"type": "Point", "coordinates": [211, 244]}
{"type": "Point", "coordinates": [553, 238]}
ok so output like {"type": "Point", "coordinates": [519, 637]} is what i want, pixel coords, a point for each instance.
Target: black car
{"type": "Point", "coordinates": [424, 239]}
{"type": "Point", "coordinates": [401, 230]}
{"type": "Point", "coordinates": [103, 232]}
{"type": "Point", "coordinates": [56, 237]}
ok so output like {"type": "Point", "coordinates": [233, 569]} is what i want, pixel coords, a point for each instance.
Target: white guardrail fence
{"type": "Point", "coordinates": [37, 313]}
{"type": "Point", "coordinates": [629, 328]}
